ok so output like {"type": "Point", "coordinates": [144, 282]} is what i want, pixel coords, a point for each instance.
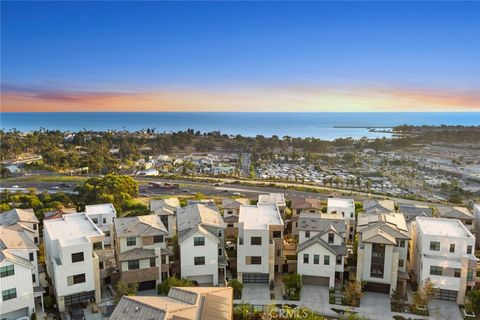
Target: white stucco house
{"type": "Point", "coordinates": [321, 250]}
{"type": "Point", "coordinates": [274, 198]}
{"type": "Point", "coordinates": [201, 237]}
{"type": "Point", "coordinates": [260, 243]}
{"type": "Point", "coordinates": [166, 209]}
{"type": "Point", "coordinates": [382, 252]}
{"type": "Point", "coordinates": [102, 215]}
{"type": "Point", "coordinates": [444, 253]}
{"type": "Point", "coordinates": [71, 260]}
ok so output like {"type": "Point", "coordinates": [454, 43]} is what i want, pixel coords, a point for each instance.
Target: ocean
{"type": "Point", "coordinates": [324, 125]}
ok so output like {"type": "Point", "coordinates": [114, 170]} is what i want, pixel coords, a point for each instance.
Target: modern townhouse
{"type": "Point", "coordinates": [231, 210]}
{"type": "Point", "coordinates": [444, 253]}
{"type": "Point", "coordinates": [382, 252]}
{"type": "Point", "coordinates": [260, 243]}
{"type": "Point", "coordinates": [102, 215]}
{"type": "Point", "coordinates": [19, 280]}
{"type": "Point", "coordinates": [142, 255]}
{"type": "Point", "coordinates": [166, 209]}
{"type": "Point", "coordinates": [303, 205]}
{"type": "Point", "coordinates": [192, 303]}
{"type": "Point", "coordinates": [274, 198]}
{"type": "Point", "coordinates": [321, 250]}
{"type": "Point", "coordinates": [25, 218]}
{"type": "Point", "coordinates": [338, 208]}
{"type": "Point", "coordinates": [71, 259]}
{"type": "Point", "coordinates": [201, 237]}
{"type": "Point", "coordinates": [375, 206]}
{"type": "Point", "coordinates": [460, 213]}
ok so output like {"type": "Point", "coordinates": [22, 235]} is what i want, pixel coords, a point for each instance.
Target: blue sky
{"type": "Point", "coordinates": [201, 50]}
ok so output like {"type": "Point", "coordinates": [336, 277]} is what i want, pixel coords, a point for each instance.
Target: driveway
{"type": "Point", "coordinates": [441, 309]}
{"type": "Point", "coordinates": [314, 295]}
{"type": "Point", "coordinates": [255, 292]}
{"type": "Point", "coordinates": [375, 306]}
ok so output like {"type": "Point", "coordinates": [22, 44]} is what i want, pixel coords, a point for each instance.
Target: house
{"type": "Point", "coordinates": [102, 215]}
{"type": "Point", "coordinates": [260, 243]}
{"type": "Point", "coordinates": [382, 252]}
{"type": "Point", "coordinates": [71, 261]}
{"type": "Point", "coordinates": [412, 211]}
{"type": "Point", "coordinates": [476, 212]}
{"type": "Point", "coordinates": [373, 206]}
{"type": "Point", "coordinates": [275, 198]}
{"type": "Point", "coordinates": [201, 237]}
{"type": "Point", "coordinates": [142, 255]}
{"type": "Point", "coordinates": [19, 280]}
{"type": "Point", "coordinates": [321, 250]}
{"type": "Point", "coordinates": [166, 209]}
{"type": "Point", "coordinates": [303, 205]}
{"type": "Point", "coordinates": [23, 217]}
{"type": "Point", "coordinates": [338, 208]}
{"type": "Point", "coordinates": [460, 213]}
{"type": "Point", "coordinates": [444, 253]}
{"type": "Point", "coordinates": [231, 210]}
{"type": "Point", "coordinates": [193, 303]}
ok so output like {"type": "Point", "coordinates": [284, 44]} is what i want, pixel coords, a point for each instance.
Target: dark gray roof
{"type": "Point", "coordinates": [411, 211]}
{"type": "Point", "coordinates": [460, 213]}
{"type": "Point", "coordinates": [336, 249]}
{"type": "Point", "coordinates": [313, 222]}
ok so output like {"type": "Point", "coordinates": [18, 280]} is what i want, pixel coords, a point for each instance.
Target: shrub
{"type": "Point", "coordinates": [237, 288]}
{"type": "Point", "coordinates": [164, 287]}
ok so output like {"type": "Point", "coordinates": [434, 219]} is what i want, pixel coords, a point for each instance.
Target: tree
{"type": "Point", "coordinates": [353, 292]}
{"type": "Point", "coordinates": [124, 289]}
{"type": "Point", "coordinates": [424, 294]}
{"type": "Point", "coordinates": [164, 287]}
{"type": "Point", "coordinates": [474, 300]}
{"type": "Point", "coordinates": [292, 283]}
{"type": "Point", "coordinates": [237, 288]}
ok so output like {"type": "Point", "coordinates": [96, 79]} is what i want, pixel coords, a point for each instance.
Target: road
{"type": "Point", "coordinates": [245, 169]}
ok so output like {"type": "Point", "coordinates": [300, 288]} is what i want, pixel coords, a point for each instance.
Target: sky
{"type": "Point", "coordinates": [240, 56]}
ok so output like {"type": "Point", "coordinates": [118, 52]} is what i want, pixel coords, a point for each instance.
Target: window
{"type": "Point", "coordinates": [133, 264]}
{"type": "Point", "coordinates": [436, 271]}
{"type": "Point", "coordinates": [35, 239]}
{"type": "Point", "coordinates": [316, 259]}
{"type": "Point", "coordinates": [305, 258]}
{"type": "Point", "coordinates": [307, 234]}
{"type": "Point", "coordinates": [77, 257]}
{"type": "Point", "coordinates": [219, 233]}
{"type": "Point", "coordinates": [76, 279]}
{"type": "Point", "coordinates": [220, 251]}
{"type": "Point", "coordinates": [452, 247]}
{"type": "Point", "coordinates": [9, 294]}
{"type": "Point", "coordinates": [101, 266]}
{"type": "Point", "coordinates": [277, 234]}
{"type": "Point", "coordinates": [95, 220]}
{"type": "Point", "coordinates": [254, 260]}
{"type": "Point", "coordinates": [97, 246]}
{"type": "Point", "coordinates": [469, 249]}
{"type": "Point", "coordinates": [434, 246]}
{"type": "Point", "coordinates": [339, 260]}
{"type": "Point", "coordinates": [30, 256]}
{"type": "Point", "coordinates": [230, 225]}
{"type": "Point", "coordinates": [33, 278]}
{"type": "Point", "coordinates": [164, 259]}
{"type": "Point", "coordinates": [401, 243]}
{"type": "Point", "coordinates": [164, 220]}
{"type": "Point", "coordinates": [107, 233]}
{"type": "Point", "coordinates": [377, 264]}
{"type": "Point", "coordinates": [331, 238]}
{"type": "Point", "coordinates": [326, 260]}
{"type": "Point", "coordinates": [199, 261]}
{"type": "Point", "coordinates": [256, 241]}
{"type": "Point", "coordinates": [199, 241]}
{"type": "Point", "coordinates": [34, 226]}
{"type": "Point", "coordinates": [400, 263]}
{"type": "Point", "coordinates": [152, 262]}
{"type": "Point", "coordinates": [311, 211]}
{"type": "Point", "coordinates": [104, 220]}
{"type": "Point", "coordinates": [157, 239]}
{"type": "Point", "coordinates": [351, 214]}
{"type": "Point", "coordinates": [131, 241]}
{"type": "Point", "coordinates": [299, 211]}
{"type": "Point", "coordinates": [470, 275]}
{"type": "Point", "coordinates": [7, 271]}
{"type": "Point", "coordinates": [458, 272]}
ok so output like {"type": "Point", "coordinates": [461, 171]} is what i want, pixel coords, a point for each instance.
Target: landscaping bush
{"type": "Point", "coordinates": [164, 287]}
{"type": "Point", "coordinates": [237, 288]}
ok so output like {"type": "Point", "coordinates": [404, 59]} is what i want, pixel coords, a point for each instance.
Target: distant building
{"type": "Point", "coordinates": [192, 303]}
{"type": "Point", "coordinates": [231, 209]}
{"type": "Point", "coordinates": [411, 211]}
{"type": "Point", "coordinates": [274, 198]}
{"type": "Point", "coordinates": [460, 213]}
{"type": "Point", "coordinates": [201, 237]}
{"type": "Point", "coordinates": [338, 208]}
{"type": "Point", "coordinates": [444, 253]}
{"type": "Point", "coordinates": [102, 215]}
{"type": "Point", "coordinates": [23, 217]}
{"type": "Point", "coordinates": [303, 205]}
{"type": "Point", "coordinates": [375, 206]}
{"type": "Point", "coordinates": [166, 209]}
{"type": "Point", "coordinates": [382, 252]}
{"type": "Point", "coordinates": [260, 243]}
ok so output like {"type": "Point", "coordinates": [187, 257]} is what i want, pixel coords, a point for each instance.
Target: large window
{"type": "Point", "coordinates": [9, 294]}
{"type": "Point", "coordinates": [326, 260]}
{"type": "Point", "coordinates": [277, 234]}
{"type": "Point", "coordinates": [131, 241]}
{"type": "Point", "coordinates": [7, 271]}
{"type": "Point", "coordinates": [133, 264]}
{"type": "Point", "coordinates": [198, 241]}
{"type": "Point", "coordinates": [76, 279]}
{"type": "Point", "coordinates": [338, 260]}
{"type": "Point", "coordinates": [198, 261]}
{"type": "Point", "coordinates": [434, 246]}
{"type": "Point", "coordinates": [469, 249]}
{"type": "Point", "coordinates": [436, 271]}
{"type": "Point", "coordinates": [378, 260]}
{"type": "Point", "coordinates": [31, 256]}
{"type": "Point", "coordinates": [457, 272]}
{"type": "Point", "coordinates": [77, 257]}
{"type": "Point", "coordinates": [253, 260]}
{"type": "Point", "coordinates": [452, 247]}
{"type": "Point", "coordinates": [152, 262]}
{"type": "Point", "coordinates": [157, 239]}
{"type": "Point", "coordinates": [305, 258]}
{"type": "Point", "coordinates": [316, 259]}
{"type": "Point", "coordinates": [256, 241]}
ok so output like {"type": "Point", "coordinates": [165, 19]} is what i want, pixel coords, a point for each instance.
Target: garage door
{"type": "Point", "coordinates": [205, 279]}
{"type": "Point", "coordinates": [147, 285]}
{"type": "Point", "coordinates": [317, 281]}
{"type": "Point", "coordinates": [255, 278]}
{"type": "Point", "coordinates": [449, 295]}
{"type": "Point", "coordinates": [377, 287]}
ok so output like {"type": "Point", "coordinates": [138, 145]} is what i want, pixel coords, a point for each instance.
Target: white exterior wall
{"type": "Point", "coordinates": [339, 213]}
{"type": "Point", "coordinates": [302, 238]}
{"type": "Point", "coordinates": [391, 260]}
{"type": "Point", "coordinates": [22, 281]}
{"type": "Point", "coordinates": [26, 255]}
{"type": "Point", "coordinates": [210, 251]}
{"type": "Point", "coordinates": [247, 250]}
{"type": "Point", "coordinates": [319, 270]}
{"type": "Point", "coordinates": [105, 227]}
